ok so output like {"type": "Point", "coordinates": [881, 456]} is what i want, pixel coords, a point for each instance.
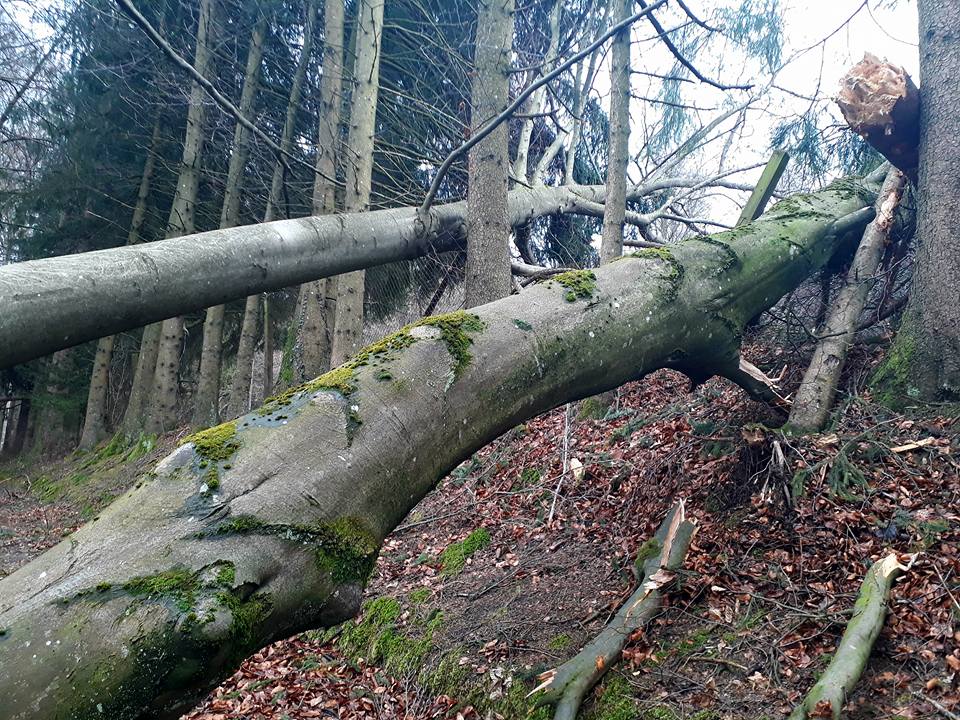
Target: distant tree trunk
{"type": "Point", "coordinates": [245, 353]}
{"type": "Point", "coordinates": [206, 410]}
{"type": "Point", "coordinates": [240, 387]}
{"type": "Point", "coordinates": [94, 424]}
{"type": "Point", "coordinates": [267, 348]}
{"type": "Point", "coordinates": [51, 427]}
{"type": "Point", "coordinates": [18, 432]}
{"type": "Point", "coordinates": [924, 361]}
{"type": "Point", "coordinates": [488, 229]}
{"type": "Point", "coordinates": [611, 245]}
{"type": "Point", "coordinates": [814, 398]}
{"type": "Point", "coordinates": [316, 303]}
{"type": "Point", "coordinates": [358, 156]}
{"type": "Point", "coordinates": [162, 414]}
{"type": "Point", "coordinates": [142, 386]}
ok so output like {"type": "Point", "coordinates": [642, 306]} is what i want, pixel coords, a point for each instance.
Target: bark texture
{"type": "Point", "coordinates": [89, 295]}
{"type": "Point", "coordinates": [242, 373]}
{"type": "Point", "coordinates": [488, 230]}
{"type": "Point", "coordinates": [270, 524]}
{"type": "Point", "coordinates": [133, 414]}
{"type": "Point", "coordinates": [618, 139]}
{"type": "Point", "coordinates": [166, 379]}
{"type": "Point", "coordinates": [206, 409]}
{"type": "Point", "coordinates": [358, 160]}
{"type": "Point", "coordinates": [830, 694]}
{"type": "Point", "coordinates": [924, 362]}
{"type": "Point", "coordinates": [814, 398]}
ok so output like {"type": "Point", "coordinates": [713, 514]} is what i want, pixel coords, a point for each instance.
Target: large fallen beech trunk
{"type": "Point", "coordinates": [270, 524]}
{"type": "Point", "coordinates": [828, 696]}
{"type": "Point", "coordinates": [659, 559]}
{"type": "Point", "coordinates": [62, 301]}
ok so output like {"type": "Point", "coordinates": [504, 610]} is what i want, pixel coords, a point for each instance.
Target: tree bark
{"type": "Point", "coordinates": [814, 398]}
{"type": "Point", "coordinates": [316, 299]}
{"type": "Point", "coordinates": [830, 694]}
{"type": "Point", "coordinates": [94, 424]}
{"type": "Point", "coordinates": [88, 295]}
{"type": "Point", "coordinates": [488, 230]}
{"type": "Point", "coordinates": [924, 361]}
{"type": "Point", "coordinates": [240, 388]}
{"type": "Point", "coordinates": [137, 402]}
{"type": "Point", "coordinates": [162, 409]}
{"type": "Point", "coordinates": [206, 409]}
{"type": "Point", "coordinates": [348, 325]}
{"type": "Point", "coordinates": [265, 526]}
{"type": "Point", "coordinates": [611, 244]}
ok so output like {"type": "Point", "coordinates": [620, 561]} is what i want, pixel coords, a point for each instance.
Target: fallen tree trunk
{"type": "Point", "coordinates": [62, 301]}
{"type": "Point", "coordinates": [566, 686]}
{"type": "Point", "coordinates": [830, 694]}
{"type": "Point", "coordinates": [814, 398]}
{"type": "Point", "coordinates": [270, 524]}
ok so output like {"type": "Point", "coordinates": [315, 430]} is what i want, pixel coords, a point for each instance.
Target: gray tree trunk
{"type": "Point", "coordinates": [140, 389]}
{"type": "Point", "coordinates": [162, 409]}
{"type": "Point", "coordinates": [268, 525]}
{"type": "Point", "coordinates": [488, 229]}
{"type": "Point", "coordinates": [206, 409]}
{"type": "Point", "coordinates": [317, 300]}
{"type": "Point", "coordinates": [814, 398]}
{"type": "Point", "coordinates": [89, 295]}
{"type": "Point", "coordinates": [611, 243]}
{"type": "Point", "coordinates": [242, 373]}
{"type": "Point", "coordinates": [924, 361]}
{"type": "Point", "coordinates": [358, 159]}
{"type": "Point", "coordinates": [94, 424]}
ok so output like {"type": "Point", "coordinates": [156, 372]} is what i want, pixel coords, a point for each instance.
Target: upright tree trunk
{"type": "Point", "coordinates": [162, 414]}
{"type": "Point", "coordinates": [176, 582]}
{"type": "Point", "coordinates": [611, 244]}
{"type": "Point", "coordinates": [924, 361]}
{"type": "Point", "coordinates": [142, 386]}
{"type": "Point", "coordinates": [51, 426]}
{"type": "Point", "coordinates": [358, 157]}
{"type": "Point", "coordinates": [240, 387]}
{"type": "Point", "coordinates": [814, 398]}
{"type": "Point", "coordinates": [488, 230]}
{"type": "Point", "coordinates": [206, 409]}
{"type": "Point", "coordinates": [94, 424]}
{"type": "Point", "coordinates": [316, 304]}
{"type": "Point", "coordinates": [19, 429]}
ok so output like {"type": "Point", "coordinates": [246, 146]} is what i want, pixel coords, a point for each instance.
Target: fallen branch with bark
{"type": "Point", "coordinates": [660, 558]}
{"type": "Point", "coordinates": [829, 695]}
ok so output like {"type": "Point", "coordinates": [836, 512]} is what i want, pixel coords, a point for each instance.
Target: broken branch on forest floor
{"type": "Point", "coordinates": [663, 554]}
{"type": "Point", "coordinates": [828, 696]}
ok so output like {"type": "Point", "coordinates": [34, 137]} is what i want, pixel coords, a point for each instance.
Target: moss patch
{"type": "Point", "coordinates": [455, 556]}
{"type": "Point", "coordinates": [179, 585]}
{"type": "Point", "coordinates": [344, 548]}
{"type": "Point", "coordinates": [614, 701]}
{"type": "Point", "coordinates": [377, 637]}
{"type": "Point", "coordinates": [892, 380]}
{"type": "Point", "coordinates": [580, 284]}
{"type": "Point", "coordinates": [674, 275]}
{"type": "Point", "coordinates": [216, 444]}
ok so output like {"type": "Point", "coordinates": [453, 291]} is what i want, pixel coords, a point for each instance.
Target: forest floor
{"type": "Point", "coordinates": [513, 564]}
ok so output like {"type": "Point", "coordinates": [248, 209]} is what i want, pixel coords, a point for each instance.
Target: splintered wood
{"type": "Point", "coordinates": [881, 103]}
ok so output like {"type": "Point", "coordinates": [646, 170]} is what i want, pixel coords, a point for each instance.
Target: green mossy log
{"type": "Point", "coordinates": [321, 475]}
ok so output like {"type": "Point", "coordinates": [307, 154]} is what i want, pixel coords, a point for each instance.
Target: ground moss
{"type": "Point", "coordinates": [455, 556]}
{"type": "Point", "coordinates": [614, 701]}
{"type": "Point", "coordinates": [216, 444]}
{"type": "Point", "coordinates": [560, 642]}
{"type": "Point", "coordinates": [419, 596]}
{"type": "Point", "coordinates": [580, 284]}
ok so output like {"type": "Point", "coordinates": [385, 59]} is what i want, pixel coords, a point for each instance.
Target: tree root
{"type": "Point", "coordinates": [566, 686]}
{"type": "Point", "coordinates": [828, 696]}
